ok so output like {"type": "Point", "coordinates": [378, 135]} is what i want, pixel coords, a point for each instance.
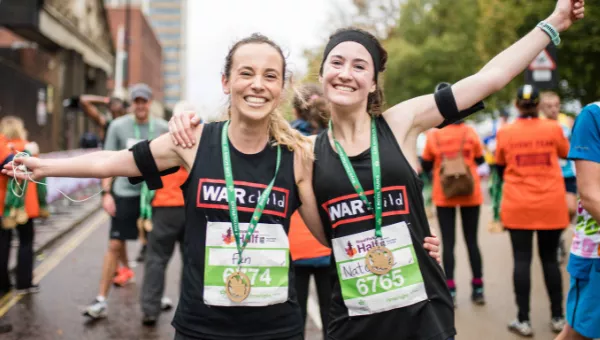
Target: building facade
{"type": "Point", "coordinates": [50, 51]}
{"type": "Point", "coordinates": [168, 18]}
{"type": "Point", "coordinates": [144, 63]}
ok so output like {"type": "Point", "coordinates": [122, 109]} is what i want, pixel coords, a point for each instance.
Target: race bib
{"type": "Point", "coordinates": [586, 235]}
{"type": "Point", "coordinates": [365, 293]}
{"type": "Point", "coordinates": [265, 260]}
{"type": "Point", "coordinates": [131, 142]}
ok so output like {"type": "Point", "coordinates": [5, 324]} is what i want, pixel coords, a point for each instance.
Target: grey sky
{"type": "Point", "coordinates": [213, 26]}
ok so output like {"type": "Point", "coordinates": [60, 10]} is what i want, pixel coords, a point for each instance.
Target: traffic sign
{"type": "Point", "coordinates": [543, 70]}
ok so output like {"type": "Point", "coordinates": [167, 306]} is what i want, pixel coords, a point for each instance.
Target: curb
{"type": "Point", "coordinates": [54, 239]}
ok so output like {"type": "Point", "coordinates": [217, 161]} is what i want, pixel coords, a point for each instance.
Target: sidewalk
{"type": "Point", "coordinates": [64, 217]}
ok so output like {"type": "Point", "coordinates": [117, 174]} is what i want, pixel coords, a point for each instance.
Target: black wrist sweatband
{"type": "Point", "coordinates": [147, 166]}
{"type": "Point", "coordinates": [444, 99]}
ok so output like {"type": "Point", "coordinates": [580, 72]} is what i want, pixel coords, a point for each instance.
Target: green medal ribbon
{"type": "Point", "coordinates": [14, 204]}
{"type": "Point", "coordinates": [377, 196]}
{"type": "Point", "coordinates": [146, 194]}
{"type": "Point", "coordinates": [231, 199]}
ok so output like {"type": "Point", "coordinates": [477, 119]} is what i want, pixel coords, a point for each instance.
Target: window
{"type": "Point", "coordinates": [172, 87]}
{"type": "Point", "coordinates": [168, 23]}
{"type": "Point", "coordinates": [169, 36]}
{"type": "Point", "coordinates": [158, 10]}
{"type": "Point", "coordinates": [170, 61]}
{"type": "Point", "coordinates": [170, 49]}
{"type": "Point", "coordinates": [171, 74]}
{"type": "Point", "coordinates": [171, 100]}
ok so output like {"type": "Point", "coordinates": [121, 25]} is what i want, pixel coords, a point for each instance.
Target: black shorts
{"type": "Point", "coordinates": [571, 184]}
{"type": "Point", "coordinates": [124, 224]}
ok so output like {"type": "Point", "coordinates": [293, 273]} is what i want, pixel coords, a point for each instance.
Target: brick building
{"type": "Point", "coordinates": [145, 51]}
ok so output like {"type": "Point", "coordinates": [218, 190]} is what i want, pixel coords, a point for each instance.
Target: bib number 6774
{"type": "Point", "coordinates": [263, 275]}
{"type": "Point", "coordinates": [369, 284]}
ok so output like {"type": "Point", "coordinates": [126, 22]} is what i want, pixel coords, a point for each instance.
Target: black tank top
{"type": "Point", "coordinates": [206, 202]}
{"type": "Point", "coordinates": [339, 208]}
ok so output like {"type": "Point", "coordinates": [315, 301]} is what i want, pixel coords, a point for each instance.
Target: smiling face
{"type": "Point", "coordinates": [348, 75]}
{"type": "Point", "coordinates": [255, 80]}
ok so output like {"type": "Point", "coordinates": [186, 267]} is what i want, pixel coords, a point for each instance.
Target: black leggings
{"type": "Point", "coordinates": [323, 284]}
{"type": "Point", "coordinates": [447, 221]}
{"type": "Point", "coordinates": [522, 252]}
{"type": "Point", "coordinates": [24, 270]}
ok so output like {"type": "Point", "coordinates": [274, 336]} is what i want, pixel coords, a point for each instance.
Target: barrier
{"type": "Point", "coordinates": [67, 185]}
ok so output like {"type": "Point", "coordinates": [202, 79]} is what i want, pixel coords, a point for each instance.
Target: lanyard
{"type": "Point", "coordinates": [377, 197]}
{"type": "Point", "coordinates": [231, 197]}
{"type": "Point", "coordinates": [146, 195]}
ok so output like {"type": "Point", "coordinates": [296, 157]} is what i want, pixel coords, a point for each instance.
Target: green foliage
{"type": "Point", "coordinates": [441, 40]}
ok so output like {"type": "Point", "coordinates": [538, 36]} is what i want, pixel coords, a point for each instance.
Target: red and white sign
{"type": "Point", "coordinates": [543, 61]}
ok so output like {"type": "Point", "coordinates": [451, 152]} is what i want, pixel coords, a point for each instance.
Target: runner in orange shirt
{"type": "Point", "coordinates": [449, 142]}
{"type": "Point", "coordinates": [14, 138]}
{"type": "Point", "coordinates": [533, 199]}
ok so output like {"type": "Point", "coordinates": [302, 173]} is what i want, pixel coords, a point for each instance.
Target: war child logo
{"type": "Point", "coordinates": [212, 194]}
{"type": "Point", "coordinates": [350, 208]}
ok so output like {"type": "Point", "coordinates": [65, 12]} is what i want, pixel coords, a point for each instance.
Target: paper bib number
{"type": "Point", "coordinates": [265, 261]}
{"type": "Point", "coordinates": [366, 293]}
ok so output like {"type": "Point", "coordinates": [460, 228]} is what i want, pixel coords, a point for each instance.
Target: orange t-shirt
{"type": "Point", "coordinates": [534, 194]}
{"type": "Point", "coordinates": [32, 205]}
{"type": "Point", "coordinates": [303, 245]}
{"type": "Point", "coordinates": [447, 141]}
{"type": "Point", "coordinates": [170, 195]}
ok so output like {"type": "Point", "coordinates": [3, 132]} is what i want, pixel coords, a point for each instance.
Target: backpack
{"type": "Point", "coordinates": [455, 176]}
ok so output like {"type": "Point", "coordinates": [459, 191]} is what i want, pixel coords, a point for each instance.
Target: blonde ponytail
{"type": "Point", "coordinates": [285, 135]}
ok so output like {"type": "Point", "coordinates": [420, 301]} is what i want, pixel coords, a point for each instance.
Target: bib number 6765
{"type": "Point", "coordinates": [369, 284]}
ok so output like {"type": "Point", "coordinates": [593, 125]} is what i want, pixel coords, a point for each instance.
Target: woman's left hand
{"type": "Point", "coordinates": [432, 244]}
{"type": "Point", "coordinates": [566, 13]}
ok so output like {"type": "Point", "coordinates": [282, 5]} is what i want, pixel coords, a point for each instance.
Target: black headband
{"type": "Point", "coordinates": [358, 37]}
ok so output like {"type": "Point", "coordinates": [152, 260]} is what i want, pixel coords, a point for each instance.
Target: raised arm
{"type": "Point", "coordinates": [88, 105]}
{"type": "Point", "coordinates": [422, 113]}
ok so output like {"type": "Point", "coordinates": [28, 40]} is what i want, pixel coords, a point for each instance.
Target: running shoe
{"type": "Point", "coordinates": [477, 296]}
{"type": "Point", "coordinates": [557, 324]}
{"type": "Point", "coordinates": [125, 276]}
{"type": "Point", "coordinates": [98, 309]}
{"type": "Point", "coordinates": [166, 303]}
{"type": "Point", "coordinates": [521, 328]}
{"type": "Point", "coordinates": [29, 290]}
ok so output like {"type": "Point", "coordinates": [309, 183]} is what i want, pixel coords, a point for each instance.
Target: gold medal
{"type": "Point", "coordinates": [379, 260]}
{"type": "Point", "coordinates": [237, 286]}
{"type": "Point", "coordinates": [148, 225]}
{"type": "Point", "coordinates": [21, 216]}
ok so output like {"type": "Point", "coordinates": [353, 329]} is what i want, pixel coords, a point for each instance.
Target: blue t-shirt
{"type": "Point", "coordinates": [585, 145]}
{"type": "Point", "coordinates": [567, 166]}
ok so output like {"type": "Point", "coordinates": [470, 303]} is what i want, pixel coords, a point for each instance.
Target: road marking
{"type": "Point", "coordinates": [57, 256]}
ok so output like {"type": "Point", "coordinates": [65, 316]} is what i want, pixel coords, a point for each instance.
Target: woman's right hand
{"type": "Point", "coordinates": [24, 168]}
{"type": "Point", "coordinates": [108, 203]}
{"type": "Point", "coordinates": [181, 128]}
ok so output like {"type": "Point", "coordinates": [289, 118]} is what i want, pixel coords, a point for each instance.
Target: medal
{"type": "Point", "coordinates": [379, 259]}
{"type": "Point", "coordinates": [237, 285]}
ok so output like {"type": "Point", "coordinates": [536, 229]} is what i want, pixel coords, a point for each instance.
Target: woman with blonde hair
{"type": "Point", "coordinates": [19, 204]}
